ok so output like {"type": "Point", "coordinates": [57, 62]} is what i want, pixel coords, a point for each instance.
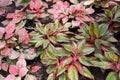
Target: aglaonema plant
{"type": "Point", "coordinates": [111, 18]}
{"type": "Point", "coordinates": [63, 56]}
{"type": "Point", "coordinates": [106, 56]}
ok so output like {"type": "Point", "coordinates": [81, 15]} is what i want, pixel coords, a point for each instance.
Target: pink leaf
{"type": "Point", "coordinates": [90, 10]}
{"type": "Point", "coordinates": [10, 77]}
{"type": "Point", "coordinates": [21, 63]}
{"type": "Point", "coordinates": [2, 11]}
{"type": "Point", "coordinates": [4, 66]}
{"type": "Point", "coordinates": [23, 36]}
{"type": "Point", "coordinates": [13, 70]}
{"type": "Point", "coordinates": [26, 40]}
{"type": "Point", "coordinates": [2, 44]}
{"type": "Point", "coordinates": [66, 4]}
{"type": "Point", "coordinates": [64, 20]}
{"type": "Point", "coordinates": [31, 4]}
{"type": "Point", "coordinates": [23, 72]}
{"type": "Point", "coordinates": [72, 9]}
{"type": "Point", "coordinates": [5, 51]}
{"type": "Point", "coordinates": [22, 32]}
{"type": "Point", "coordinates": [4, 2]}
{"type": "Point", "coordinates": [8, 35]}
{"type": "Point", "coordinates": [10, 15]}
{"type": "Point", "coordinates": [10, 28]}
{"type": "Point", "coordinates": [118, 66]}
{"type": "Point", "coordinates": [37, 4]}
{"type": "Point", "coordinates": [15, 20]}
{"type": "Point", "coordinates": [35, 68]}
{"type": "Point", "coordinates": [2, 31]}
{"type": "Point", "coordinates": [14, 54]}
{"type": "Point", "coordinates": [75, 23]}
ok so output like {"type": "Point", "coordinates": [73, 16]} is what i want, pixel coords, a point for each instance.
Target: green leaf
{"type": "Point", "coordinates": [63, 52]}
{"type": "Point", "coordinates": [63, 77]}
{"type": "Point", "coordinates": [106, 43]}
{"type": "Point", "coordinates": [63, 66]}
{"type": "Point", "coordinates": [117, 14]}
{"type": "Point", "coordinates": [111, 56]}
{"type": "Point", "coordinates": [103, 64]}
{"type": "Point", "coordinates": [67, 61]}
{"type": "Point", "coordinates": [52, 49]}
{"type": "Point", "coordinates": [50, 69]}
{"type": "Point", "coordinates": [25, 1]}
{"type": "Point", "coordinates": [45, 43]}
{"type": "Point", "coordinates": [67, 25]}
{"type": "Point", "coordinates": [100, 56]}
{"type": "Point", "coordinates": [39, 43]}
{"type": "Point", "coordinates": [49, 61]}
{"type": "Point", "coordinates": [87, 73]}
{"type": "Point", "coordinates": [108, 13]}
{"type": "Point", "coordinates": [84, 60]}
{"type": "Point", "coordinates": [53, 39]}
{"type": "Point", "coordinates": [96, 30]}
{"type": "Point", "coordinates": [81, 46]}
{"type": "Point", "coordinates": [97, 43]}
{"type": "Point", "coordinates": [112, 76]}
{"type": "Point", "coordinates": [91, 30]}
{"type": "Point", "coordinates": [87, 51]}
{"type": "Point", "coordinates": [40, 28]}
{"type": "Point", "coordinates": [54, 28]}
{"type": "Point", "coordinates": [62, 38]}
{"type": "Point", "coordinates": [72, 73]}
{"type": "Point", "coordinates": [61, 69]}
{"type": "Point", "coordinates": [103, 29]}
{"type": "Point", "coordinates": [51, 55]}
{"type": "Point", "coordinates": [112, 39]}
{"type": "Point", "coordinates": [51, 77]}
{"type": "Point", "coordinates": [102, 19]}
{"type": "Point", "coordinates": [68, 47]}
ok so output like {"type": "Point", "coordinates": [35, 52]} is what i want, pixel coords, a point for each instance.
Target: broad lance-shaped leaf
{"type": "Point", "coordinates": [63, 52]}
{"type": "Point", "coordinates": [63, 65]}
{"type": "Point", "coordinates": [87, 73]}
{"type": "Point", "coordinates": [97, 43]}
{"type": "Point", "coordinates": [103, 64]}
{"type": "Point", "coordinates": [61, 69]}
{"type": "Point", "coordinates": [50, 77]}
{"type": "Point", "coordinates": [87, 51]}
{"type": "Point", "coordinates": [111, 56]}
{"type": "Point", "coordinates": [83, 71]}
{"type": "Point", "coordinates": [72, 73]}
{"type": "Point", "coordinates": [81, 46]}
{"type": "Point", "coordinates": [91, 30]}
{"type": "Point", "coordinates": [51, 52]}
{"type": "Point", "coordinates": [96, 30]}
{"type": "Point", "coordinates": [63, 77]}
{"type": "Point", "coordinates": [50, 68]}
{"type": "Point", "coordinates": [62, 38]}
{"type": "Point", "coordinates": [51, 55]}
{"type": "Point", "coordinates": [68, 47]}
{"type": "Point", "coordinates": [10, 28]}
{"type": "Point", "coordinates": [103, 29]}
{"type": "Point", "coordinates": [39, 43]}
{"type": "Point", "coordinates": [45, 43]}
{"type": "Point", "coordinates": [84, 60]}
{"type": "Point", "coordinates": [112, 76]}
